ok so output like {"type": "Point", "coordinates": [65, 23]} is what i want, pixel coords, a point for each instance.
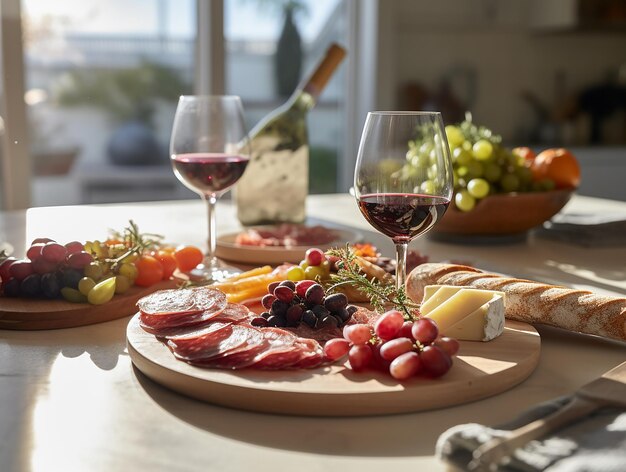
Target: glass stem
{"type": "Point", "coordinates": [210, 260]}
{"type": "Point", "coordinates": [401, 250]}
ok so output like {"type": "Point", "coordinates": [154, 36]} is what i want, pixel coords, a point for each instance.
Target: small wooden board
{"type": "Point", "coordinates": [480, 370]}
{"type": "Point", "coordinates": [30, 314]}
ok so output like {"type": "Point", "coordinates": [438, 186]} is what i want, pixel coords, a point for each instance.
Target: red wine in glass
{"type": "Point", "coordinates": [402, 216]}
{"type": "Point", "coordinates": [209, 173]}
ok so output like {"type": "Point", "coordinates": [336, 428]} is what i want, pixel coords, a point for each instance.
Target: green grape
{"type": "Point", "coordinates": [454, 135]}
{"type": "Point", "coordinates": [303, 265]}
{"type": "Point", "coordinates": [312, 272]}
{"type": "Point", "coordinates": [73, 295]}
{"type": "Point", "coordinates": [420, 160]}
{"type": "Point", "coordinates": [425, 148]}
{"type": "Point", "coordinates": [525, 174]}
{"type": "Point", "coordinates": [461, 157]}
{"type": "Point", "coordinates": [295, 274]}
{"type": "Point", "coordinates": [467, 145]}
{"type": "Point", "coordinates": [482, 149]}
{"type": "Point", "coordinates": [85, 285]}
{"type": "Point", "coordinates": [509, 182]}
{"type": "Point", "coordinates": [102, 292]}
{"type": "Point", "coordinates": [94, 270]}
{"type": "Point", "coordinates": [478, 188]}
{"type": "Point", "coordinates": [128, 270]}
{"type": "Point", "coordinates": [462, 171]}
{"type": "Point", "coordinates": [122, 283]}
{"type": "Point", "coordinates": [456, 181]}
{"type": "Point", "coordinates": [428, 187]}
{"type": "Point", "coordinates": [475, 169]}
{"type": "Point", "coordinates": [433, 157]}
{"type": "Point", "coordinates": [492, 172]}
{"type": "Point", "coordinates": [432, 172]}
{"type": "Point", "coordinates": [464, 201]}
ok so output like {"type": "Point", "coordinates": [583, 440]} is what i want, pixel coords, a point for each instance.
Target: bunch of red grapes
{"type": "Point", "coordinates": [47, 268]}
{"type": "Point", "coordinates": [402, 348]}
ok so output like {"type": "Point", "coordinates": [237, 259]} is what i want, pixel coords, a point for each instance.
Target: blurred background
{"type": "Point", "coordinates": [101, 79]}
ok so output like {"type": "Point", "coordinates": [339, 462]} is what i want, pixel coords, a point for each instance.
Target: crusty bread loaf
{"type": "Point", "coordinates": [532, 302]}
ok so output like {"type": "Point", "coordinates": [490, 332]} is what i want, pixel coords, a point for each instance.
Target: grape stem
{"type": "Point", "coordinates": [135, 241]}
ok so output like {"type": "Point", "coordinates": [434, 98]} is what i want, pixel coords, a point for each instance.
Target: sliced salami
{"type": "Point", "coordinates": [206, 342]}
{"type": "Point", "coordinates": [234, 313]}
{"type": "Point", "coordinates": [234, 354]}
{"type": "Point", "coordinates": [182, 301]}
{"type": "Point", "coordinates": [281, 353]}
{"type": "Point", "coordinates": [312, 354]}
{"type": "Point", "coordinates": [161, 325]}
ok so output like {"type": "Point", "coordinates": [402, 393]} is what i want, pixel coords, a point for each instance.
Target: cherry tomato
{"type": "Point", "coordinates": [168, 262]}
{"type": "Point", "coordinates": [188, 257]}
{"type": "Point", "coordinates": [149, 271]}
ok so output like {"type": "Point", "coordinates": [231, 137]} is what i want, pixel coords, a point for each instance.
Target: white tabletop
{"type": "Point", "coordinates": [71, 400]}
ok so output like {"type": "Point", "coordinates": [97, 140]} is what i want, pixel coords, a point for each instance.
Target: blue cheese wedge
{"type": "Point", "coordinates": [465, 313]}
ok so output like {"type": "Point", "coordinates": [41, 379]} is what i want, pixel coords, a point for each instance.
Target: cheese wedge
{"type": "Point", "coordinates": [465, 313]}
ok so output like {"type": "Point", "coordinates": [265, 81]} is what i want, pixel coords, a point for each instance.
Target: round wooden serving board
{"type": "Point", "coordinates": [480, 370]}
{"type": "Point", "coordinates": [30, 314]}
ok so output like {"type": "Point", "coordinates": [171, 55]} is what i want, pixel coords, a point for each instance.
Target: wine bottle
{"type": "Point", "coordinates": [275, 184]}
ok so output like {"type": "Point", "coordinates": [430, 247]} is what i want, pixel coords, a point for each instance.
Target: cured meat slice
{"type": "Point", "coordinates": [236, 354]}
{"type": "Point", "coordinates": [203, 349]}
{"type": "Point", "coordinates": [162, 325]}
{"type": "Point", "coordinates": [182, 301]}
{"type": "Point", "coordinates": [205, 342]}
{"type": "Point", "coordinates": [281, 353]}
{"type": "Point", "coordinates": [312, 354]}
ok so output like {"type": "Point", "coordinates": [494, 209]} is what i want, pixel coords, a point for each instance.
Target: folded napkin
{"type": "Point", "coordinates": [596, 443]}
{"type": "Point", "coordinates": [586, 229]}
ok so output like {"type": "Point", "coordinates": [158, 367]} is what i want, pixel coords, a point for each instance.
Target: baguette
{"type": "Point", "coordinates": [531, 302]}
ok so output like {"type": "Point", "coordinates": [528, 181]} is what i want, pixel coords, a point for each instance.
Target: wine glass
{"type": "Point", "coordinates": [209, 151]}
{"type": "Point", "coordinates": [403, 179]}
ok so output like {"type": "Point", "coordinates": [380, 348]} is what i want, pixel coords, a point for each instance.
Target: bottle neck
{"type": "Point", "coordinates": [301, 101]}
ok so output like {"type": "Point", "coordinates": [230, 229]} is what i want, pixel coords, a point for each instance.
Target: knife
{"type": "Point", "coordinates": [608, 390]}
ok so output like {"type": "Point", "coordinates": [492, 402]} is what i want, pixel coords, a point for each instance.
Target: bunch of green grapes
{"type": "Point", "coordinates": [482, 166]}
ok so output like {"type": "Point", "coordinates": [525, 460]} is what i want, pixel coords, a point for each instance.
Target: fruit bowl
{"type": "Point", "coordinates": [504, 214]}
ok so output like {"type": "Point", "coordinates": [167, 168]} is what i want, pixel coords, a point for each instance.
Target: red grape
{"type": "Point", "coordinates": [405, 331]}
{"type": "Point", "coordinates": [336, 348]}
{"type": "Point", "coordinates": [271, 287]}
{"type": "Point", "coordinates": [267, 300]}
{"type": "Point", "coordinates": [378, 362]}
{"type": "Point", "coordinates": [42, 266]}
{"type": "Point", "coordinates": [283, 293]}
{"type": "Point", "coordinates": [53, 252]}
{"type": "Point", "coordinates": [78, 260]}
{"type": "Point", "coordinates": [425, 330]}
{"type": "Point", "coordinates": [74, 247]}
{"type": "Point", "coordinates": [302, 287]}
{"type": "Point", "coordinates": [449, 345]}
{"type": "Point", "coordinates": [360, 357]}
{"type": "Point", "coordinates": [5, 266]}
{"type": "Point", "coordinates": [287, 283]}
{"type": "Point", "coordinates": [436, 361]}
{"type": "Point", "coordinates": [314, 256]}
{"type": "Point", "coordinates": [21, 269]}
{"type": "Point", "coordinates": [358, 334]}
{"type": "Point", "coordinates": [315, 294]}
{"type": "Point", "coordinates": [34, 252]}
{"type": "Point", "coordinates": [405, 366]}
{"type": "Point", "coordinates": [394, 348]}
{"type": "Point", "coordinates": [388, 325]}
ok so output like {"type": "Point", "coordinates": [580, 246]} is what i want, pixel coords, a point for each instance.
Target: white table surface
{"type": "Point", "coordinates": [70, 400]}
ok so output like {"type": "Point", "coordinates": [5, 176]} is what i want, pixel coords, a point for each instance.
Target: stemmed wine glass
{"type": "Point", "coordinates": [403, 178]}
{"type": "Point", "coordinates": [209, 151]}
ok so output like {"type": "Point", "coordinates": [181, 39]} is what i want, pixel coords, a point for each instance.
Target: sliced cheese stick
{"type": "Point", "coordinates": [532, 302]}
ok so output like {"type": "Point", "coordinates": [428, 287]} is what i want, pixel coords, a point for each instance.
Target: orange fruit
{"type": "Point", "coordinates": [558, 165]}
{"type": "Point", "coordinates": [149, 271]}
{"type": "Point", "coordinates": [527, 153]}
{"type": "Point", "coordinates": [188, 257]}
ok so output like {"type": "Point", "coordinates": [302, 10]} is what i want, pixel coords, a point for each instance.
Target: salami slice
{"type": "Point", "coordinates": [281, 353]}
{"type": "Point", "coordinates": [312, 354]}
{"type": "Point", "coordinates": [182, 301]}
{"type": "Point", "coordinates": [233, 354]}
{"type": "Point", "coordinates": [234, 313]}
{"type": "Point", "coordinates": [206, 342]}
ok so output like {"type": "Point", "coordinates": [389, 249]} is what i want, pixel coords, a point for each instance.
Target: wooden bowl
{"type": "Point", "coordinates": [504, 214]}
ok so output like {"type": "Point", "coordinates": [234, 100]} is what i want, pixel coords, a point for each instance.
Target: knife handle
{"type": "Point", "coordinates": [487, 456]}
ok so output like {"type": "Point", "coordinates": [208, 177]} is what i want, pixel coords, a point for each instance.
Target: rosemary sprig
{"type": "Point", "coordinates": [378, 293]}
{"type": "Point", "coordinates": [135, 241]}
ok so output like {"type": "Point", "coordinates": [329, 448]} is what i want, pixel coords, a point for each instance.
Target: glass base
{"type": "Point", "coordinates": [212, 271]}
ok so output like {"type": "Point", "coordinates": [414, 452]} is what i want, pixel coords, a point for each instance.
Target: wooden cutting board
{"type": "Point", "coordinates": [29, 314]}
{"type": "Point", "coordinates": [480, 370]}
